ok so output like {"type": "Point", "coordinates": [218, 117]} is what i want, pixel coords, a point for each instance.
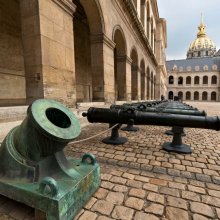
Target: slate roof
{"type": "Point", "coordinates": [201, 62]}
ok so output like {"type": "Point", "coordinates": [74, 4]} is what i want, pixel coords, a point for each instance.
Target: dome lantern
{"type": "Point", "coordinates": [202, 46]}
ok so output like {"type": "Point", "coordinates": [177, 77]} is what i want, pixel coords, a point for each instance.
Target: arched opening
{"type": "Point", "coordinates": [170, 95]}
{"type": "Point", "coordinates": [188, 80]}
{"type": "Point", "coordinates": [213, 96]}
{"type": "Point", "coordinates": [188, 95]}
{"type": "Point", "coordinates": [143, 83]}
{"type": "Point", "coordinates": [180, 95]}
{"type": "Point", "coordinates": [89, 72]}
{"type": "Point", "coordinates": [205, 80]}
{"type": "Point", "coordinates": [134, 75]}
{"type": "Point", "coordinates": [214, 80]}
{"type": "Point", "coordinates": [119, 65]}
{"type": "Point", "coordinates": [171, 80]}
{"type": "Point", "coordinates": [204, 96]}
{"type": "Point", "coordinates": [196, 95]}
{"type": "Point", "coordinates": [148, 83]}
{"type": "Point", "coordinates": [12, 68]}
{"type": "Point", "coordinates": [152, 86]}
{"type": "Point", "coordinates": [180, 80]}
{"type": "Point", "coordinates": [196, 80]}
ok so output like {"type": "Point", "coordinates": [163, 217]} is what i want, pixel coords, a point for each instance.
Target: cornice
{"type": "Point", "coordinates": [133, 14]}
{"type": "Point", "coordinates": [66, 5]}
{"type": "Point", "coordinates": [102, 38]}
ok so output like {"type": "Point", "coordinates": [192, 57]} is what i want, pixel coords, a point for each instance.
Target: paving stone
{"type": "Point", "coordinates": [154, 197]}
{"type": "Point", "coordinates": [196, 189]}
{"type": "Point", "coordinates": [143, 216]}
{"type": "Point", "coordinates": [103, 207]}
{"type": "Point", "coordinates": [199, 217]}
{"type": "Point", "coordinates": [173, 172]}
{"type": "Point", "coordinates": [203, 177]}
{"type": "Point", "coordinates": [188, 175]}
{"type": "Point", "coordinates": [105, 176]}
{"type": "Point", "coordinates": [150, 187]}
{"type": "Point", "coordinates": [169, 191]}
{"type": "Point", "coordinates": [90, 203]}
{"type": "Point", "coordinates": [155, 209]}
{"type": "Point", "coordinates": [107, 185]}
{"type": "Point", "coordinates": [115, 198]}
{"type": "Point", "coordinates": [176, 202]}
{"type": "Point", "coordinates": [118, 180]}
{"type": "Point", "coordinates": [120, 188]}
{"type": "Point", "coordinates": [211, 200]}
{"type": "Point", "coordinates": [128, 176]}
{"type": "Point", "coordinates": [134, 183]}
{"type": "Point", "coordinates": [176, 213]}
{"type": "Point", "coordinates": [140, 193]}
{"type": "Point", "coordinates": [201, 208]}
{"type": "Point", "coordinates": [142, 179]}
{"type": "Point", "coordinates": [214, 193]}
{"type": "Point", "coordinates": [123, 213]}
{"type": "Point", "coordinates": [101, 193]}
{"type": "Point", "coordinates": [87, 215]}
{"type": "Point", "coordinates": [191, 196]}
{"type": "Point", "coordinates": [158, 182]}
{"type": "Point", "coordinates": [134, 203]}
{"type": "Point", "coordinates": [177, 185]}
{"type": "Point", "coordinates": [218, 212]}
{"type": "Point", "coordinates": [104, 218]}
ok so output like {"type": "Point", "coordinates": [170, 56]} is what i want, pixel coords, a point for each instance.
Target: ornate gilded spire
{"type": "Point", "coordinates": [201, 28]}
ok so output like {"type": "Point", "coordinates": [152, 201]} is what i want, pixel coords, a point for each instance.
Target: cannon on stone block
{"type": "Point", "coordinates": [115, 116]}
{"type": "Point", "coordinates": [34, 169]}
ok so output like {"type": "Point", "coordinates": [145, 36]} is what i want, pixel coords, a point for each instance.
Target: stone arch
{"type": "Point", "coordinates": [188, 95]}
{"type": "Point", "coordinates": [196, 95]}
{"type": "Point", "coordinates": [94, 14]}
{"type": "Point", "coordinates": [205, 80]}
{"type": "Point", "coordinates": [213, 96]}
{"type": "Point", "coordinates": [214, 79]}
{"type": "Point", "coordinates": [119, 63]}
{"type": "Point", "coordinates": [196, 80]}
{"type": "Point", "coordinates": [188, 80]}
{"type": "Point", "coordinates": [170, 95]}
{"type": "Point", "coordinates": [180, 95]}
{"type": "Point", "coordinates": [171, 80]}
{"type": "Point", "coordinates": [143, 79]}
{"type": "Point", "coordinates": [88, 25]}
{"type": "Point", "coordinates": [204, 95]}
{"type": "Point", "coordinates": [148, 83]}
{"type": "Point", "coordinates": [134, 74]}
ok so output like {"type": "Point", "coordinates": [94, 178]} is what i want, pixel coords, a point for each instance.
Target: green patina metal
{"type": "Point", "coordinates": [34, 169]}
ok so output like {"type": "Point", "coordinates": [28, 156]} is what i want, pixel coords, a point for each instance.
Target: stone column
{"type": "Point", "coordinates": [47, 35]}
{"type": "Point", "coordinates": [102, 61]}
{"type": "Point", "coordinates": [158, 86]}
{"type": "Point", "coordinates": [149, 30]}
{"type": "Point", "coordinates": [138, 84]}
{"type": "Point", "coordinates": [134, 82]}
{"type": "Point", "coordinates": [143, 86]}
{"type": "Point", "coordinates": [128, 78]}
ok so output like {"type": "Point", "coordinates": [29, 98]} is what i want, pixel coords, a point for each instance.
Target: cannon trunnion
{"type": "Point", "coordinates": [34, 169]}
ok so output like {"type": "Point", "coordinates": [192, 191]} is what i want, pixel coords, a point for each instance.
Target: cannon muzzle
{"type": "Point", "coordinates": [114, 116]}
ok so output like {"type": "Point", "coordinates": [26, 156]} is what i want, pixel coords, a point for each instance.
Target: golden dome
{"type": "Point", "coordinates": [202, 46]}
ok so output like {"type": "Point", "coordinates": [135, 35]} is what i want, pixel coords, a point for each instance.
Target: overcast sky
{"type": "Point", "coordinates": [183, 18]}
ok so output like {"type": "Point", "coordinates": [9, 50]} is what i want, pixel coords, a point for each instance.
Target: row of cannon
{"type": "Point", "coordinates": [162, 113]}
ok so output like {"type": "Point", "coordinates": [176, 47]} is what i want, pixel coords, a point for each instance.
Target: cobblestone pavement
{"type": "Point", "coordinates": [141, 181]}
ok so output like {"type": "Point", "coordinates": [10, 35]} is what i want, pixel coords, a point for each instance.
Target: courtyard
{"type": "Point", "coordinates": [141, 181]}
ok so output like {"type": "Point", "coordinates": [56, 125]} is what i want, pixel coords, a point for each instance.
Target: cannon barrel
{"type": "Point", "coordinates": [114, 116]}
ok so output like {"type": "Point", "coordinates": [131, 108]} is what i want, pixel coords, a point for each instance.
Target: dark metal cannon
{"type": "Point", "coordinates": [144, 118]}
{"type": "Point", "coordinates": [34, 169]}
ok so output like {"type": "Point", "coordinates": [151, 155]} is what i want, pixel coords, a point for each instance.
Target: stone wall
{"type": "Point", "coordinates": [12, 77]}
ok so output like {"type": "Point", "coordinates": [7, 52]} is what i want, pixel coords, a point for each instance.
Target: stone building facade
{"type": "Point", "coordinates": [198, 76]}
{"type": "Point", "coordinates": [81, 51]}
